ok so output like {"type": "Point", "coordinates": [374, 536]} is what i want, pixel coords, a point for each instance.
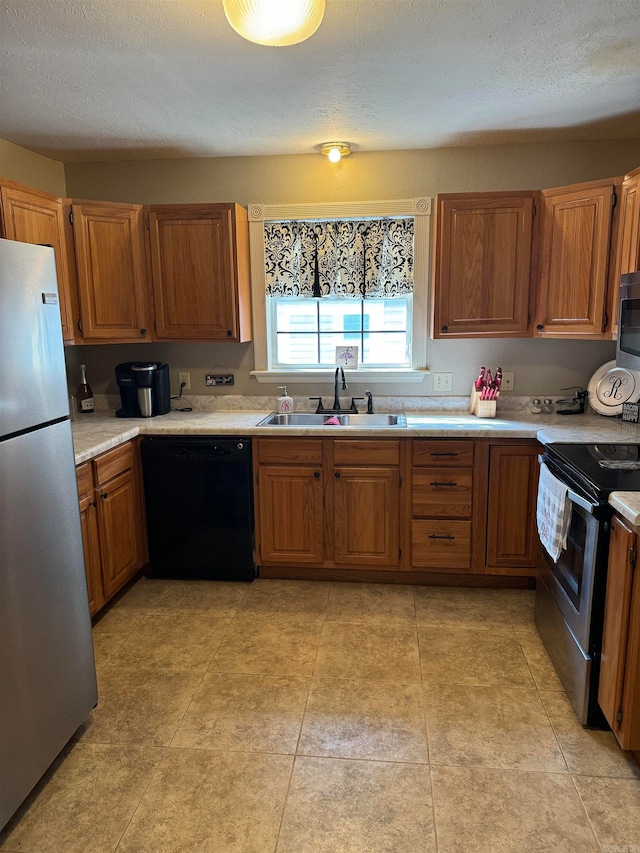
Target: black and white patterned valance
{"type": "Point", "coordinates": [370, 258]}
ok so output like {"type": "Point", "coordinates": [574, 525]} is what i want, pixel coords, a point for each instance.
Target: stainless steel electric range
{"type": "Point", "coordinates": [570, 593]}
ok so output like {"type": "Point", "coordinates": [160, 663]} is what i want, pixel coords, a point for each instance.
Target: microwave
{"type": "Point", "coordinates": [628, 349]}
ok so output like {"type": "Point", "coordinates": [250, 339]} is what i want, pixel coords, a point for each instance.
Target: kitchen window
{"type": "Point", "coordinates": [304, 333]}
{"type": "Point", "coordinates": [308, 305]}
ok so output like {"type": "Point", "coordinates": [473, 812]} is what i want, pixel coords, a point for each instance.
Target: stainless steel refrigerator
{"type": "Point", "coordinates": [47, 670]}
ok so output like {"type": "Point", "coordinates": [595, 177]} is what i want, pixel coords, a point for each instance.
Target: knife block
{"type": "Point", "coordinates": [481, 408]}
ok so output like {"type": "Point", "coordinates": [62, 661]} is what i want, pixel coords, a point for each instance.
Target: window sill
{"type": "Point", "coordinates": [361, 375]}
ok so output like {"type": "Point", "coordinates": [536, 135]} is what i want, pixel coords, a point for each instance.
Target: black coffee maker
{"type": "Point", "coordinates": [144, 389]}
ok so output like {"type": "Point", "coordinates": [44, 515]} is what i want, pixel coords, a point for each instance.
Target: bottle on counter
{"type": "Point", "coordinates": [284, 403]}
{"type": "Point", "coordinates": [84, 394]}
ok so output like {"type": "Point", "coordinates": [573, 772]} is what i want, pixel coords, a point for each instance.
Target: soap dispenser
{"type": "Point", "coordinates": [284, 403]}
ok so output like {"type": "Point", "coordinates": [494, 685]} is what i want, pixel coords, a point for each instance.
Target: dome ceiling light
{"type": "Point", "coordinates": [275, 23]}
{"type": "Point", "coordinates": [335, 150]}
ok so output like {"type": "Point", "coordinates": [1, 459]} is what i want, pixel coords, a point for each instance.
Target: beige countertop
{"type": "Point", "coordinates": [101, 430]}
{"type": "Point", "coordinates": [627, 504]}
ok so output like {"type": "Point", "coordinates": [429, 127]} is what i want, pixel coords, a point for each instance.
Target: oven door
{"type": "Point", "coordinates": [570, 581]}
{"type": "Point", "coordinates": [569, 607]}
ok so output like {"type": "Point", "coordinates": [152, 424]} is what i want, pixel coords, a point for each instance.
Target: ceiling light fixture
{"type": "Point", "coordinates": [275, 23]}
{"type": "Point", "coordinates": [335, 150]}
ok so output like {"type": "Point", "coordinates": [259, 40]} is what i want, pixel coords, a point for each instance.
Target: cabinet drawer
{"type": "Point", "coordinates": [449, 454]}
{"type": "Point", "coordinates": [441, 545]}
{"type": "Point", "coordinates": [364, 452]}
{"type": "Point", "coordinates": [85, 480]}
{"type": "Point", "coordinates": [113, 462]}
{"type": "Point", "coordinates": [293, 450]}
{"type": "Point", "coordinates": [441, 492]}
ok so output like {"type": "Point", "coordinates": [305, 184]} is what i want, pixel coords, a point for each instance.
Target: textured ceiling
{"type": "Point", "coordinates": [129, 79]}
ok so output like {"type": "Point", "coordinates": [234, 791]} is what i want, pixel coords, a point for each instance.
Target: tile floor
{"type": "Point", "coordinates": [305, 717]}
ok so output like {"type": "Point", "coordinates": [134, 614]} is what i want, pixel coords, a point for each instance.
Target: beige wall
{"type": "Point", "coordinates": [359, 177]}
{"type": "Point", "coordinates": [34, 170]}
{"type": "Point", "coordinates": [541, 367]}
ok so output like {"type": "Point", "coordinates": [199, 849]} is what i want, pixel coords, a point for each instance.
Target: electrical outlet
{"type": "Point", "coordinates": [507, 381]}
{"type": "Point", "coordinates": [185, 376]}
{"type": "Point", "coordinates": [442, 382]}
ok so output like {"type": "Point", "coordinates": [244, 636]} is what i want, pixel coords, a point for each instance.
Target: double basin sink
{"type": "Point", "coordinates": [329, 420]}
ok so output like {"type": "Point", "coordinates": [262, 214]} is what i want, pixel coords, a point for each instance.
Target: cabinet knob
{"type": "Point", "coordinates": [337, 475]}
{"type": "Point", "coordinates": [143, 331]}
{"type": "Point", "coordinates": [104, 495]}
{"type": "Point", "coordinates": [444, 328]}
{"type": "Point", "coordinates": [539, 327]}
{"type": "Point", "coordinates": [93, 503]}
{"type": "Point", "coordinates": [316, 474]}
{"type": "Point", "coordinates": [229, 333]}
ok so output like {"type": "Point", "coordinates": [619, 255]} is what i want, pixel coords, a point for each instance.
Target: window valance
{"type": "Point", "coordinates": [364, 258]}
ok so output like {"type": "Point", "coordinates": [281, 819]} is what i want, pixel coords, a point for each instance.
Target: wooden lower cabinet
{"type": "Point", "coordinates": [619, 687]}
{"type": "Point", "coordinates": [442, 505]}
{"type": "Point", "coordinates": [90, 536]}
{"type": "Point", "coordinates": [424, 506]}
{"type": "Point", "coordinates": [290, 510]}
{"type": "Point", "coordinates": [512, 540]}
{"type": "Point", "coordinates": [326, 503]}
{"type": "Point", "coordinates": [366, 511]}
{"type": "Point", "coordinates": [111, 513]}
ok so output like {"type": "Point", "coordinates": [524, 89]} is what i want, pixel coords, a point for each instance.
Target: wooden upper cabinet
{"type": "Point", "coordinates": [30, 216]}
{"type": "Point", "coordinates": [200, 271]}
{"type": "Point", "coordinates": [112, 283]}
{"type": "Point", "coordinates": [483, 264]}
{"type": "Point", "coordinates": [626, 252]}
{"type": "Point", "coordinates": [574, 260]}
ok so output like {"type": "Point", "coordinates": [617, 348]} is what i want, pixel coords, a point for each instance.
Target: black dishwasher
{"type": "Point", "coordinates": [199, 507]}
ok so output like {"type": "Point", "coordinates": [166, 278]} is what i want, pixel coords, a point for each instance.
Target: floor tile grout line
{"type": "Point", "coordinates": [304, 711]}
{"type": "Point", "coordinates": [586, 811]}
{"type": "Point", "coordinates": [422, 682]}
{"type": "Point", "coordinates": [146, 788]}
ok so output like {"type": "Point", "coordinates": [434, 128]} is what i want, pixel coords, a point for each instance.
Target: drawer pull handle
{"type": "Point", "coordinates": [436, 483]}
{"type": "Point", "coordinates": [436, 536]}
{"type": "Point", "coordinates": [444, 453]}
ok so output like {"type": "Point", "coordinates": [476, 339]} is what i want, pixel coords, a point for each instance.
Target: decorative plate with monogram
{"type": "Point", "coordinates": [611, 386]}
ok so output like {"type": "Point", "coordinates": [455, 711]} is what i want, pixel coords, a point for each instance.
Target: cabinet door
{"type": "Point", "coordinates": [483, 265]}
{"type": "Point", "coordinates": [193, 272]}
{"type": "Point", "coordinates": [619, 686]}
{"type": "Point", "coordinates": [627, 250]}
{"type": "Point", "coordinates": [119, 519]}
{"type": "Point", "coordinates": [109, 242]}
{"type": "Point", "coordinates": [290, 512]}
{"type": "Point", "coordinates": [512, 540]}
{"type": "Point", "coordinates": [90, 537]}
{"type": "Point", "coordinates": [574, 254]}
{"type": "Point", "coordinates": [33, 217]}
{"type": "Point", "coordinates": [366, 507]}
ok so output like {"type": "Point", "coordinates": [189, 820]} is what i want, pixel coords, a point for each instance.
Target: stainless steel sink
{"type": "Point", "coordinates": [361, 421]}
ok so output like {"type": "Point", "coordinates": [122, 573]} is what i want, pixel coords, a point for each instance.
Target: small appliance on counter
{"type": "Point", "coordinates": [144, 389]}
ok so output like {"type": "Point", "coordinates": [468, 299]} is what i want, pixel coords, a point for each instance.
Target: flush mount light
{"type": "Point", "coordinates": [335, 150]}
{"type": "Point", "coordinates": [275, 23]}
